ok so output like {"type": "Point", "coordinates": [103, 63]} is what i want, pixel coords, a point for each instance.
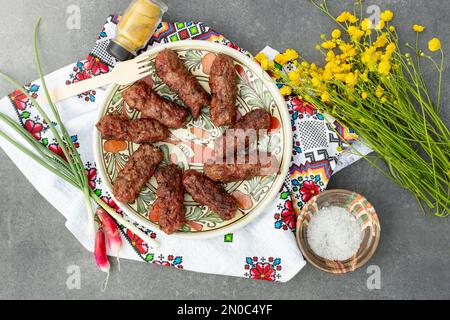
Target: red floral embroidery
{"type": "Point", "coordinates": [262, 271]}
{"type": "Point", "coordinates": [302, 107]}
{"type": "Point", "coordinates": [19, 99]}
{"type": "Point", "coordinates": [92, 176]}
{"type": "Point", "coordinates": [289, 216]}
{"type": "Point", "coordinates": [308, 190]}
{"type": "Point", "coordinates": [96, 66]}
{"type": "Point", "coordinates": [137, 242]}
{"type": "Point", "coordinates": [110, 202]}
{"type": "Point", "coordinates": [80, 76]}
{"type": "Point", "coordinates": [34, 128]}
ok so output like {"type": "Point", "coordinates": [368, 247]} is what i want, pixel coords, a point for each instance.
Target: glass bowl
{"type": "Point", "coordinates": [367, 219]}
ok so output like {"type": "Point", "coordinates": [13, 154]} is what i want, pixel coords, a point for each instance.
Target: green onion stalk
{"type": "Point", "coordinates": [70, 167]}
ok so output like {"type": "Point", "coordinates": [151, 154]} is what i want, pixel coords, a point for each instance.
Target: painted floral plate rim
{"type": "Point", "coordinates": [255, 89]}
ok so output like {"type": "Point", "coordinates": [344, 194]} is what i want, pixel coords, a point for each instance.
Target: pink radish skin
{"type": "Point", "coordinates": [100, 251]}
{"type": "Point", "coordinates": [112, 231]}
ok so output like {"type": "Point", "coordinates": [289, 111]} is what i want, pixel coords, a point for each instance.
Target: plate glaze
{"type": "Point", "coordinates": [192, 145]}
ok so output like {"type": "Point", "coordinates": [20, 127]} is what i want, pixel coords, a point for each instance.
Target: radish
{"type": "Point", "coordinates": [112, 231]}
{"type": "Point", "coordinates": [100, 251]}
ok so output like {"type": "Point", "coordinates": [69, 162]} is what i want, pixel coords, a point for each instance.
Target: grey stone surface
{"type": "Point", "coordinates": [36, 248]}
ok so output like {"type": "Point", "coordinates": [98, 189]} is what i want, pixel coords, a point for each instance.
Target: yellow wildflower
{"type": "Point", "coordinates": [315, 82]}
{"type": "Point", "coordinates": [351, 79]}
{"type": "Point", "coordinates": [348, 49]}
{"type": "Point", "coordinates": [352, 19]}
{"type": "Point", "coordinates": [336, 34]}
{"type": "Point", "coordinates": [265, 64]}
{"type": "Point", "coordinates": [343, 17]}
{"type": "Point", "coordinates": [381, 41]}
{"type": "Point", "coordinates": [346, 17]}
{"type": "Point", "coordinates": [291, 54]}
{"type": "Point", "coordinates": [296, 82]}
{"type": "Point", "coordinates": [387, 15]}
{"type": "Point", "coordinates": [325, 97]}
{"type": "Point", "coordinates": [366, 24]}
{"type": "Point", "coordinates": [327, 75]}
{"type": "Point", "coordinates": [263, 61]}
{"type": "Point", "coordinates": [346, 67]}
{"type": "Point", "coordinates": [260, 57]}
{"type": "Point", "coordinates": [330, 56]}
{"type": "Point", "coordinates": [384, 67]}
{"type": "Point", "coordinates": [379, 92]}
{"type": "Point", "coordinates": [281, 59]}
{"type": "Point", "coordinates": [418, 28]}
{"type": "Point", "coordinates": [286, 91]}
{"type": "Point", "coordinates": [369, 58]}
{"type": "Point", "coordinates": [390, 49]}
{"type": "Point", "coordinates": [355, 33]}
{"type": "Point", "coordinates": [293, 75]}
{"type": "Point", "coordinates": [383, 100]}
{"type": "Point", "coordinates": [434, 45]}
{"type": "Point", "coordinates": [364, 95]}
{"type": "Point", "coordinates": [329, 45]}
{"type": "Point", "coordinates": [391, 28]}
{"type": "Point", "coordinates": [305, 64]}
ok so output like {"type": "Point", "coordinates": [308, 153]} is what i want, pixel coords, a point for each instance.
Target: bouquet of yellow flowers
{"type": "Point", "coordinates": [370, 85]}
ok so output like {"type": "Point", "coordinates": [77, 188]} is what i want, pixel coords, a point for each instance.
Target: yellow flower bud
{"type": "Point", "coordinates": [379, 92]}
{"type": "Point", "coordinates": [434, 45]}
{"type": "Point", "coordinates": [418, 28]}
{"type": "Point", "coordinates": [366, 24]}
{"type": "Point", "coordinates": [281, 59]}
{"type": "Point", "coordinates": [291, 54]}
{"type": "Point", "coordinates": [328, 45]}
{"type": "Point", "coordinates": [387, 15]}
{"type": "Point", "coordinates": [390, 49]}
{"type": "Point", "coordinates": [381, 41]}
{"type": "Point", "coordinates": [343, 17]}
{"type": "Point", "coordinates": [336, 34]}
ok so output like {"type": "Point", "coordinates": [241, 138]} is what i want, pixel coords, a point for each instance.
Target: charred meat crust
{"type": "Point", "coordinates": [141, 97]}
{"type": "Point", "coordinates": [223, 84]}
{"type": "Point", "coordinates": [136, 173]}
{"type": "Point", "coordinates": [169, 204]}
{"type": "Point", "coordinates": [137, 131]}
{"type": "Point", "coordinates": [210, 193]}
{"type": "Point", "coordinates": [172, 71]}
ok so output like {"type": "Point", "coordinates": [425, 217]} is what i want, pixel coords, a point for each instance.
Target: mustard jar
{"type": "Point", "coordinates": [136, 27]}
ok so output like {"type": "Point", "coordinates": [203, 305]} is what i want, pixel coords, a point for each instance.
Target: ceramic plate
{"type": "Point", "coordinates": [192, 145]}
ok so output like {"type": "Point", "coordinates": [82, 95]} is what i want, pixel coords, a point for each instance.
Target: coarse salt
{"type": "Point", "coordinates": [334, 234]}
